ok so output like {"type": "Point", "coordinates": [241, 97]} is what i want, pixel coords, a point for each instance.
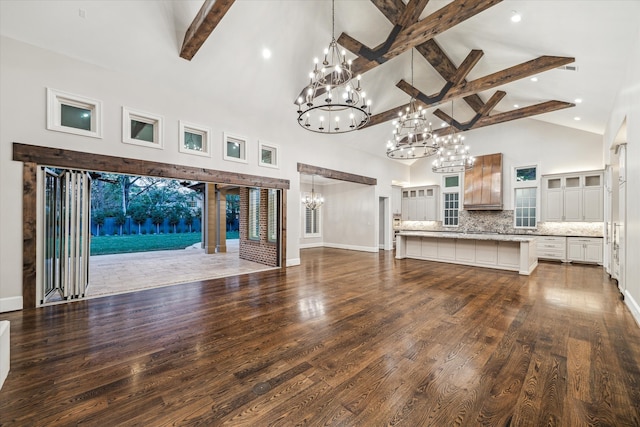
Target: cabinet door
{"type": "Point", "coordinates": [575, 250]}
{"type": "Point", "coordinates": [421, 209]}
{"type": "Point", "coordinates": [414, 246]}
{"type": "Point", "coordinates": [593, 252]}
{"type": "Point", "coordinates": [405, 209]}
{"type": "Point", "coordinates": [573, 204]}
{"type": "Point", "coordinates": [592, 207]}
{"type": "Point", "coordinates": [396, 203]}
{"type": "Point", "coordinates": [554, 202]}
{"type": "Point", "coordinates": [413, 209]}
{"type": "Point", "coordinates": [431, 204]}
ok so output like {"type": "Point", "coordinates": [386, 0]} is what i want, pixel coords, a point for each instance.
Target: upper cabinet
{"type": "Point", "coordinates": [396, 200]}
{"type": "Point", "coordinates": [575, 197]}
{"type": "Point", "coordinates": [420, 203]}
{"type": "Point", "coordinates": [483, 184]}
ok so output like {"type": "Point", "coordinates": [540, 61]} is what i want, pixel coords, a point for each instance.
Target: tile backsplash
{"type": "Point", "coordinates": [502, 222]}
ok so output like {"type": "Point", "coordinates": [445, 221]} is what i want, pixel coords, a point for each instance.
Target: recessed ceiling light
{"type": "Point", "coordinates": [266, 53]}
{"type": "Point", "coordinates": [534, 79]}
{"type": "Point", "coordinates": [577, 100]}
{"type": "Point", "coordinates": [515, 105]}
{"type": "Point", "coordinates": [577, 119]}
{"type": "Point", "coordinates": [515, 16]}
{"type": "Point", "coordinates": [443, 124]}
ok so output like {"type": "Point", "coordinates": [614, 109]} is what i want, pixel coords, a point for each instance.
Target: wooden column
{"type": "Point", "coordinates": [221, 208]}
{"type": "Point", "coordinates": [210, 238]}
{"type": "Point", "coordinates": [29, 185]}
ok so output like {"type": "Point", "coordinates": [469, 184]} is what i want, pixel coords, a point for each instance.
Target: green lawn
{"type": "Point", "coordinates": [103, 245]}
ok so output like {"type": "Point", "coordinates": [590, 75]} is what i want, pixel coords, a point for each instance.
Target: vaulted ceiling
{"type": "Point", "coordinates": [458, 54]}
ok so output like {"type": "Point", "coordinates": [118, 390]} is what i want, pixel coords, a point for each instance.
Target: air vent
{"type": "Point", "coordinates": [569, 68]}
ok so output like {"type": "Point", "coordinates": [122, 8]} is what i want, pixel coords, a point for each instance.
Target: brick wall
{"type": "Point", "coordinates": [261, 250]}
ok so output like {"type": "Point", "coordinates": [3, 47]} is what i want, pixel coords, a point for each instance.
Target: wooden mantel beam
{"type": "Point", "coordinates": [207, 19]}
{"type": "Point", "coordinates": [490, 81]}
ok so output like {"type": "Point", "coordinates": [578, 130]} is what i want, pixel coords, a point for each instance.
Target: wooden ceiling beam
{"type": "Point", "coordinates": [433, 53]}
{"type": "Point", "coordinates": [401, 38]}
{"type": "Point", "coordinates": [484, 111]}
{"type": "Point", "coordinates": [465, 68]}
{"type": "Point", "coordinates": [412, 12]}
{"type": "Point", "coordinates": [443, 19]}
{"type": "Point", "coordinates": [207, 19]}
{"type": "Point", "coordinates": [392, 9]}
{"type": "Point", "coordinates": [520, 113]}
{"type": "Point", "coordinates": [490, 81]}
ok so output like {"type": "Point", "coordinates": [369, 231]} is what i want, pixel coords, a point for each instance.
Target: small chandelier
{"type": "Point", "coordinates": [345, 107]}
{"type": "Point", "coordinates": [312, 201]}
{"type": "Point", "coordinates": [412, 134]}
{"type": "Point", "coordinates": [453, 154]}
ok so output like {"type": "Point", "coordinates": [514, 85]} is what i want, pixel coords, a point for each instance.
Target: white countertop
{"type": "Point", "coordinates": [469, 236]}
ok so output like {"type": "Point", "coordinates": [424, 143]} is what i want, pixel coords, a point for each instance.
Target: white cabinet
{"type": "Point", "coordinates": [552, 247]}
{"type": "Point", "coordinates": [576, 197]}
{"type": "Point", "coordinates": [584, 249]}
{"type": "Point", "coordinates": [420, 203]}
{"type": "Point", "coordinates": [396, 200]}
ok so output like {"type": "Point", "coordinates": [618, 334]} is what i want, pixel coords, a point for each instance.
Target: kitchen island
{"type": "Point", "coordinates": [499, 251]}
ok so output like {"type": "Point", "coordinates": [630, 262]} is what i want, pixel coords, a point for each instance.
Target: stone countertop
{"type": "Point", "coordinates": [470, 236]}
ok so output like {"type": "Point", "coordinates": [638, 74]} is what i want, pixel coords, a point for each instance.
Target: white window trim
{"type": "Point", "coordinates": [129, 114]}
{"type": "Point", "coordinates": [275, 149]}
{"type": "Point", "coordinates": [448, 190]}
{"type": "Point", "coordinates": [242, 141]}
{"type": "Point", "coordinates": [57, 98]}
{"type": "Point", "coordinates": [526, 184]}
{"type": "Point", "coordinates": [204, 131]}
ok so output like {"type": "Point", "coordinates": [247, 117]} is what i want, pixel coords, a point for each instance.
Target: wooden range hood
{"type": "Point", "coordinates": [483, 184]}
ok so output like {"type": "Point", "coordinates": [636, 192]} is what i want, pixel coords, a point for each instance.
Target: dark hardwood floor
{"type": "Point", "coordinates": [347, 338]}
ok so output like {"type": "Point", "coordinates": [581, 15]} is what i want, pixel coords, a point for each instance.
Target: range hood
{"type": "Point", "coordinates": [483, 184]}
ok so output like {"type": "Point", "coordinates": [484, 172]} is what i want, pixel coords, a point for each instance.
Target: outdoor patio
{"type": "Point", "coordinates": [115, 274]}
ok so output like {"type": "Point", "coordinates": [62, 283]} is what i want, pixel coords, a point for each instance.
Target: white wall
{"type": "Point", "coordinates": [349, 216]}
{"type": "Point", "coordinates": [555, 149]}
{"type": "Point", "coordinates": [627, 105]}
{"type": "Point", "coordinates": [26, 73]}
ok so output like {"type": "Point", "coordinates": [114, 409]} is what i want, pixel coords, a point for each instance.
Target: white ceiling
{"type": "Point", "coordinates": [143, 38]}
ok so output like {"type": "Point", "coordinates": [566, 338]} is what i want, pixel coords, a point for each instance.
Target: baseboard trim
{"type": "Point", "coordinates": [352, 247]}
{"type": "Point", "coordinates": [634, 308]}
{"type": "Point", "coordinates": [311, 245]}
{"type": "Point", "coordinates": [10, 304]}
{"type": "Point", "coordinates": [293, 262]}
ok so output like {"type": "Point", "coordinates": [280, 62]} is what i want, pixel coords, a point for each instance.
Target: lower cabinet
{"type": "Point", "coordinates": [584, 249]}
{"type": "Point", "coordinates": [552, 247]}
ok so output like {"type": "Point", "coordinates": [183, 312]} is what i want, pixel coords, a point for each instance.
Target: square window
{"type": "Point", "coordinates": [235, 148]}
{"type": "Point", "coordinates": [140, 128]}
{"type": "Point", "coordinates": [74, 114]}
{"type": "Point", "coordinates": [194, 139]}
{"type": "Point", "coordinates": [268, 154]}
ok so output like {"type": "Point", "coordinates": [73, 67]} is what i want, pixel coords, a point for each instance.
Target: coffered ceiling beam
{"type": "Point", "coordinates": [207, 19]}
{"type": "Point", "coordinates": [517, 72]}
{"type": "Point", "coordinates": [520, 113]}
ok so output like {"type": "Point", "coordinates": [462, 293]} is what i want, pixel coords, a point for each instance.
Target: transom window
{"type": "Point", "coordinates": [525, 196]}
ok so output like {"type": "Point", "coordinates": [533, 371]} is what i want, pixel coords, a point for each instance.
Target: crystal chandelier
{"type": "Point", "coordinates": [345, 107]}
{"type": "Point", "coordinates": [312, 201]}
{"type": "Point", "coordinates": [412, 134]}
{"type": "Point", "coordinates": [452, 153]}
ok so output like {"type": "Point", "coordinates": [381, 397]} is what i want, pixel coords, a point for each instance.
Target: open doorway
{"type": "Point", "coordinates": [111, 233]}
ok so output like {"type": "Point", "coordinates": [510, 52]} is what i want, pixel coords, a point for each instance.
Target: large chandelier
{"type": "Point", "coordinates": [345, 107]}
{"type": "Point", "coordinates": [312, 201]}
{"type": "Point", "coordinates": [412, 134]}
{"type": "Point", "coordinates": [453, 153]}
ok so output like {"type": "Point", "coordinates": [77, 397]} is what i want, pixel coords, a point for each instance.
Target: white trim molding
{"type": "Point", "coordinates": [634, 308]}
{"type": "Point", "coordinates": [275, 154]}
{"type": "Point", "coordinates": [205, 135]}
{"type": "Point", "coordinates": [129, 115]}
{"type": "Point", "coordinates": [238, 140]}
{"type": "Point", "coordinates": [57, 100]}
{"type": "Point", "coordinates": [10, 304]}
